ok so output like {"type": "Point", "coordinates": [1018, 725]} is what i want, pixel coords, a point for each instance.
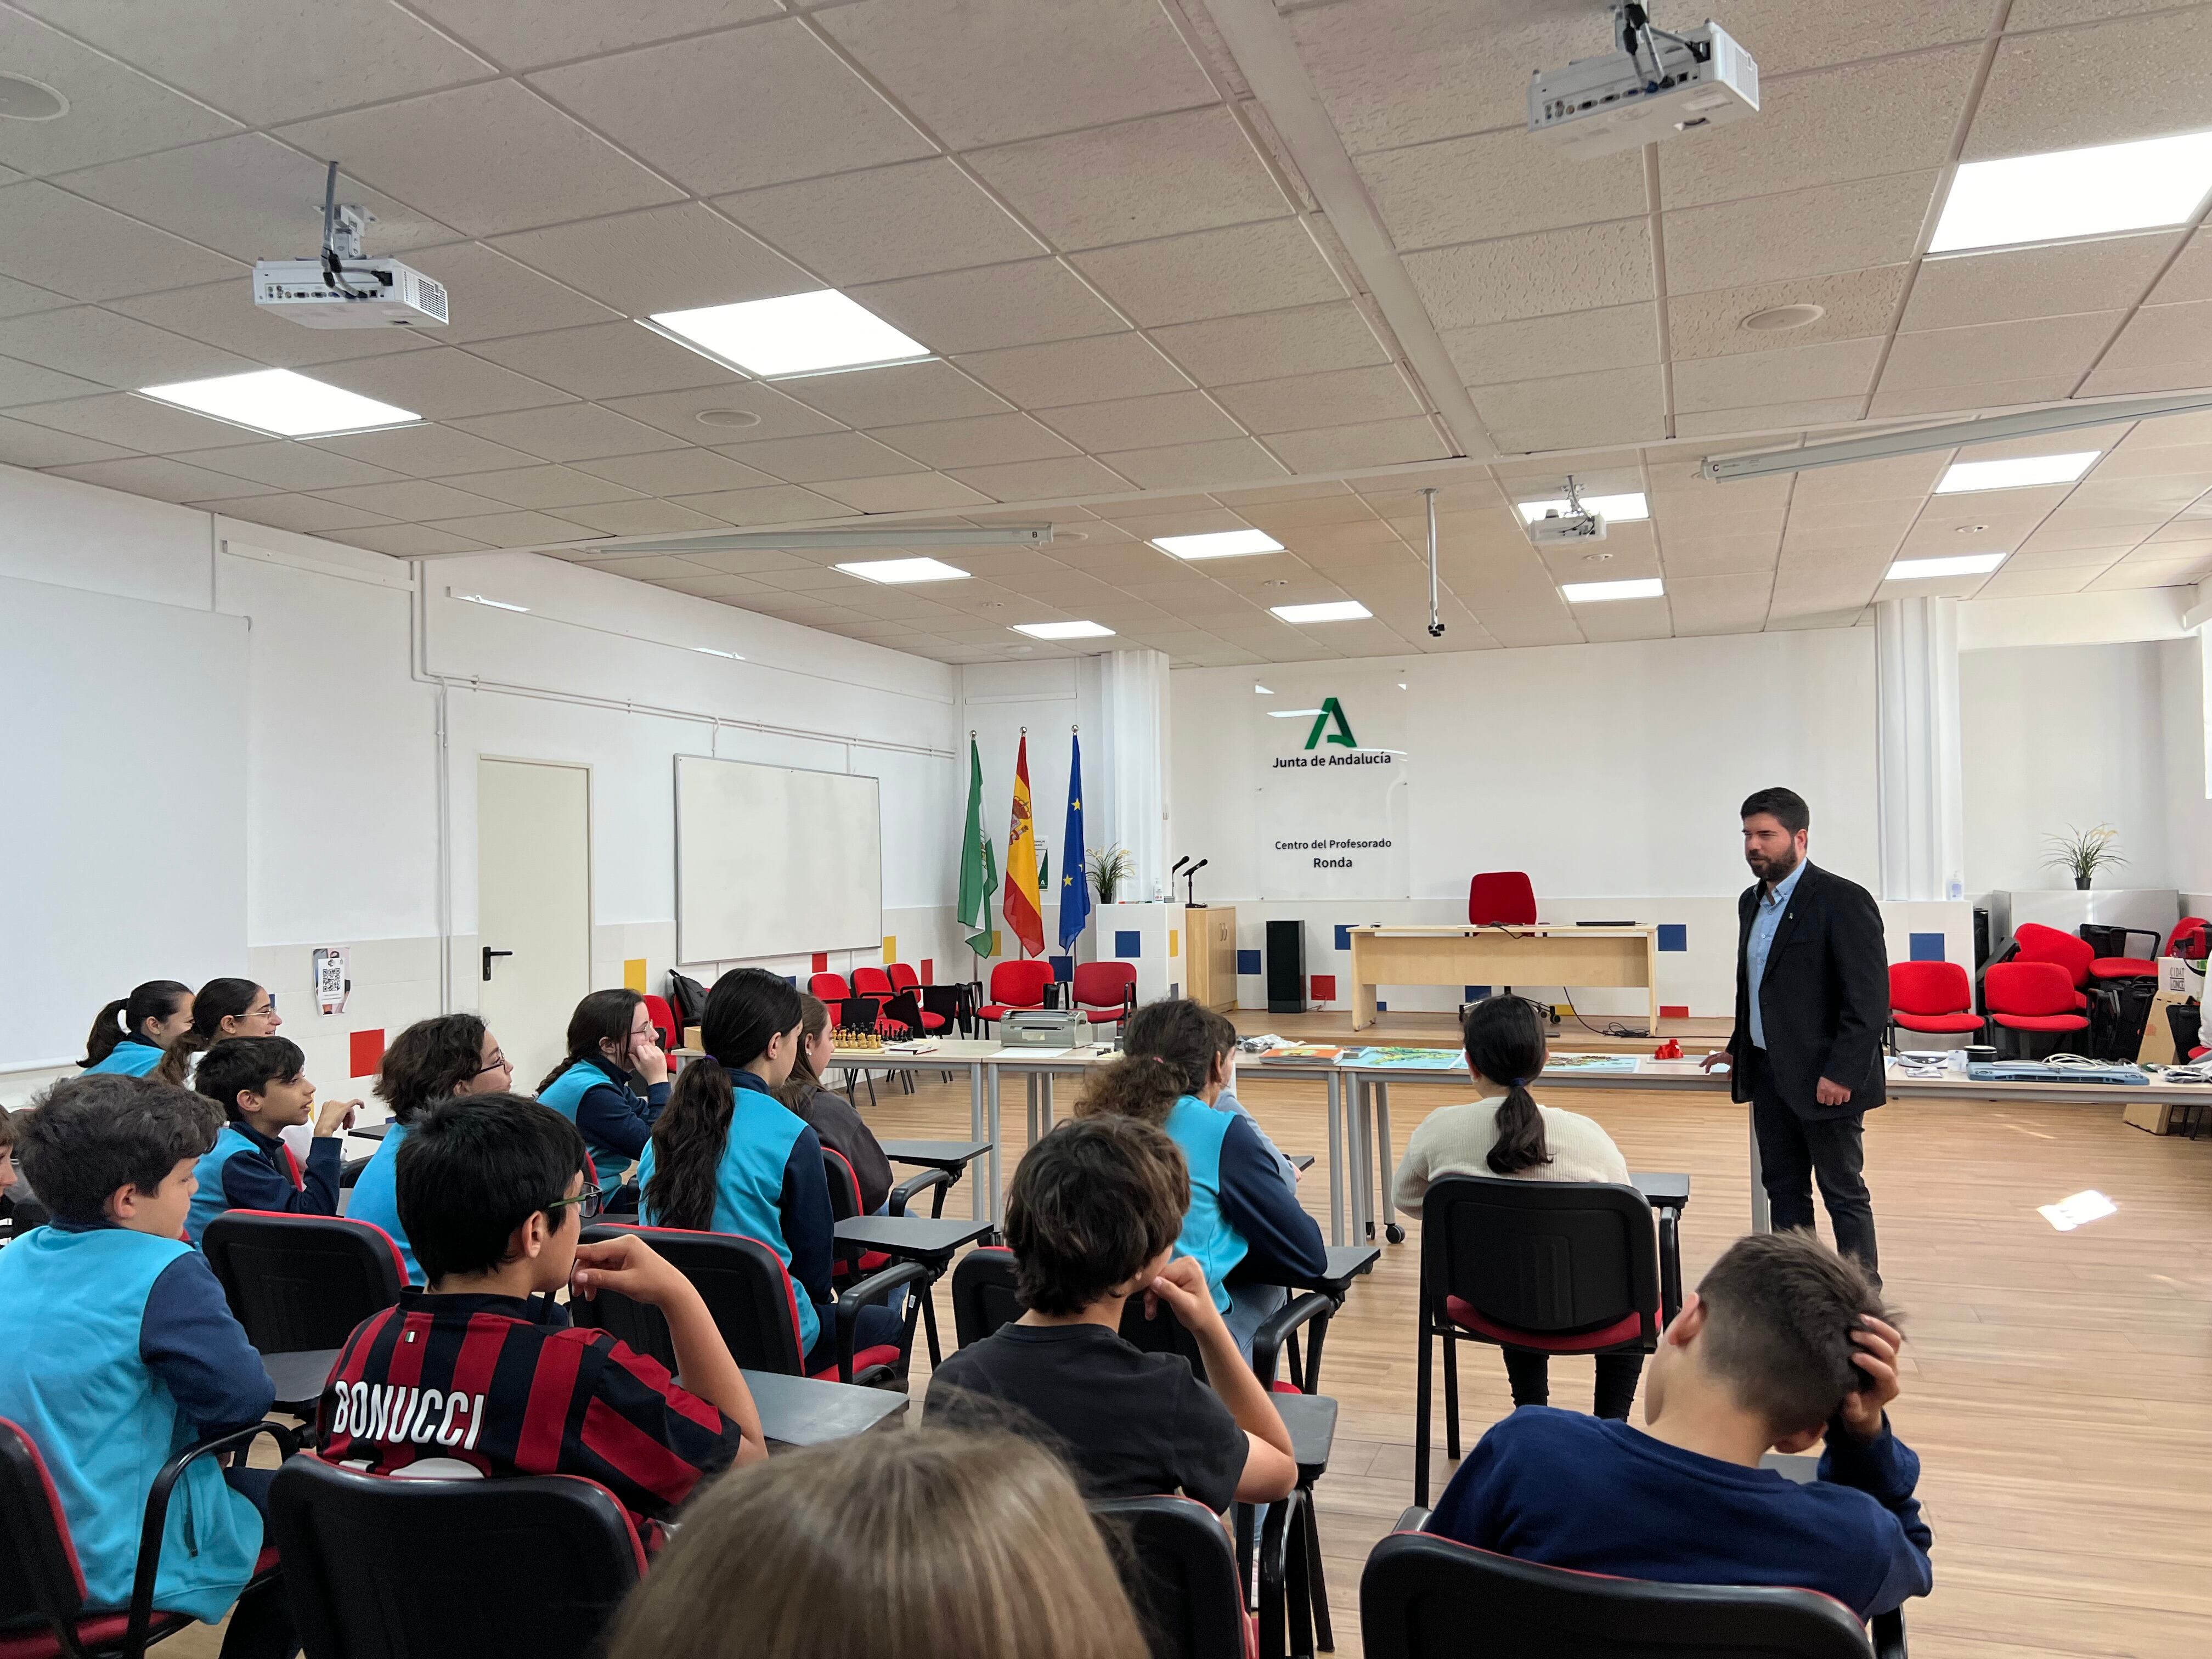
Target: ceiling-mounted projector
{"type": "Point", "coordinates": [339, 288]}
{"type": "Point", "coordinates": [1577, 523]}
{"type": "Point", "coordinates": [1656, 85]}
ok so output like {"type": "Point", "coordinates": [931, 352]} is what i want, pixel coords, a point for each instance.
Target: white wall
{"type": "Point", "coordinates": [342, 804]}
{"type": "Point", "coordinates": [2182, 665]}
{"type": "Point", "coordinates": [2055, 736]}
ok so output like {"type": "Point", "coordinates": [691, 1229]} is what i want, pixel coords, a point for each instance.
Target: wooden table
{"type": "Point", "coordinates": [1603, 958]}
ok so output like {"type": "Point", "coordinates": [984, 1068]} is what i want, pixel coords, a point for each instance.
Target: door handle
{"type": "Point", "coordinates": [488, 953]}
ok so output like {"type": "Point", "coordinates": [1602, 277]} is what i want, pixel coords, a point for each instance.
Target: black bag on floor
{"type": "Point", "coordinates": [2186, 1021]}
{"type": "Point", "coordinates": [2117, 1014]}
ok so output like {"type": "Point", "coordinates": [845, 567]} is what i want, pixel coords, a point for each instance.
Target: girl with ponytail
{"type": "Point", "coordinates": [1177, 1071]}
{"type": "Point", "coordinates": [222, 1008]}
{"type": "Point", "coordinates": [1506, 1132]}
{"type": "Point", "coordinates": [130, 1035]}
{"type": "Point", "coordinates": [727, 1157]}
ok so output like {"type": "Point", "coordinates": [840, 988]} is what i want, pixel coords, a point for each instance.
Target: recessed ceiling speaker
{"type": "Point", "coordinates": [22, 99]}
{"type": "Point", "coordinates": [1781, 317]}
{"type": "Point", "coordinates": [727, 418]}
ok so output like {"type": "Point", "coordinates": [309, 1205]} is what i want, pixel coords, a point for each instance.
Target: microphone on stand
{"type": "Point", "coordinates": [1190, 879]}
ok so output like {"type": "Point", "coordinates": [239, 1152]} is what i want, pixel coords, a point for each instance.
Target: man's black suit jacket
{"type": "Point", "coordinates": [1825, 1001]}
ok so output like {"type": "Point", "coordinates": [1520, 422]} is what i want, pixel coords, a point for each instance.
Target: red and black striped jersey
{"type": "Point", "coordinates": [507, 1385]}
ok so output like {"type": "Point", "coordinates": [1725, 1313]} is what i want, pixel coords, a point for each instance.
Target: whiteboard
{"type": "Point", "coordinates": [123, 842]}
{"type": "Point", "coordinates": [773, 862]}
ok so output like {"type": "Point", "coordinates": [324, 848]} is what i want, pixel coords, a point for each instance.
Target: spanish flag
{"type": "Point", "coordinates": [1018, 904]}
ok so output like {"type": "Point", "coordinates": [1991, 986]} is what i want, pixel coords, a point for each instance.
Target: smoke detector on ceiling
{"type": "Point", "coordinates": [1775, 317]}
{"type": "Point", "coordinates": [22, 99]}
{"type": "Point", "coordinates": [727, 418]}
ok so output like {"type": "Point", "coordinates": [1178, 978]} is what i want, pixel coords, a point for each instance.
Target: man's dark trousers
{"type": "Point", "coordinates": [1794, 1151]}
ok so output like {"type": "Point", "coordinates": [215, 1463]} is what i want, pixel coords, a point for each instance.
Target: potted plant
{"type": "Point", "coordinates": [2083, 851]}
{"type": "Point", "coordinates": [1110, 865]}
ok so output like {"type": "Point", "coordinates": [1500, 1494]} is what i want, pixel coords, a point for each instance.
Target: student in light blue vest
{"type": "Point", "coordinates": [613, 1053]}
{"type": "Point", "coordinates": [729, 1157]}
{"type": "Point", "coordinates": [120, 1353]}
{"type": "Point", "coordinates": [130, 1035]}
{"type": "Point", "coordinates": [1245, 1225]}
{"type": "Point", "coordinates": [260, 1084]}
{"type": "Point", "coordinates": [431, 1061]}
{"type": "Point", "coordinates": [221, 1009]}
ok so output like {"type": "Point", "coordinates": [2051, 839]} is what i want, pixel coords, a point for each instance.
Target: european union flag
{"type": "Point", "coordinates": [1074, 867]}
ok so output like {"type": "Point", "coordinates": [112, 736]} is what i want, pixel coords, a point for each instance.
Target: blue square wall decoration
{"type": "Point", "coordinates": [1344, 936]}
{"type": "Point", "coordinates": [1248, 962]}
{"type": "Point", "coordinates": [1927, 947]}
{"type": "Point", "coordinates": [1674, 936]}
{"type": "Point", "coordinates": [1129, 944]}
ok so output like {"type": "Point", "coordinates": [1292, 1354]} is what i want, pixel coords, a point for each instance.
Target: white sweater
{"type": "Point", "coordinates": [1457, 1139]}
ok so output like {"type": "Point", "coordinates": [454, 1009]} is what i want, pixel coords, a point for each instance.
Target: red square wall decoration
{"type": "Point", "coordinates": [821, 962]}
{"type": "Point", "coordinates": [368, 1053]}
{"type": "Point", "coordinates": [1324, 987]}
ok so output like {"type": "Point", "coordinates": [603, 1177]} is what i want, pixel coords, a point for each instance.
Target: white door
{"type": "Point", "coordinates": [533, 906]}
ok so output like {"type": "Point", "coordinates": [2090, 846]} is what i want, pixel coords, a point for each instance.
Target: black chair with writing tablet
{"type": "Point", "coordinates": [868, 1244]}
{"type": "Point", "coordinates": [1180, 1570]}
{"type": "Point", "coordinates": [950, 1157]}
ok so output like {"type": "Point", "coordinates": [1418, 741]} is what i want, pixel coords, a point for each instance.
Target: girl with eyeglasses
{"type": "Point", "coordinates": [614, 1082]}
{"type": "Point", "coordinates": [221, 1008]}
{"type": "Point", "coordinates": [432, 1059]}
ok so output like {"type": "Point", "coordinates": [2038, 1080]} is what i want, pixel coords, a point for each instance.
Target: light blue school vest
{"type": "Point", "coordinates": [375, 1198]}
{"type": "Point", "coordinates": [749, 1184]}
{"type": "Point", "coordinates": [71, 1377]}
{"type": "Point", "coordinates": [565, 1094]}
{"type": "Point", "coordinates": [129, 1058]}
{"type": "Point", "coordinates": [1206, 1234]}
{"type": "Point", "coordinates": [209, 1202]}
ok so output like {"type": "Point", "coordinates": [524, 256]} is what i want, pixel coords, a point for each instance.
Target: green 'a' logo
{"type": "Point", "coordinates": [1331, 709]}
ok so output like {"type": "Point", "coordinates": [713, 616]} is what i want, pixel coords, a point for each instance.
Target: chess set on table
{"type": "Point", "coordinates": [855, 1040]}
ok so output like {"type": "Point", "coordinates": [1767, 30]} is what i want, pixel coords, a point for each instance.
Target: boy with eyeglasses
{"type": "Point", "coordinates": [483, 1367]}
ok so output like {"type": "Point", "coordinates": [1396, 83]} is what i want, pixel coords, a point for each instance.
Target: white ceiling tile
{"type": "Point", "coordinates": [248, 196]}
{"type": "Point", "coordinates": [2147, 494]}
{"type": "Point", "coordinates": [2077, 559]}
{"type": "Point", "coordinates": [61, 242]}
{"type": "Point", "coordinates": [19, 298]}
{"type": "Point", "coordinates": [981, 440]}
{"type": "Point", "coordinates": [544, 487]}
{"type": "Point", "coordinates": [1900, 478]}
{"type": "Point", "coordinates": [412, 541]}
{"type": "Point", "coordinates": [410, 499]}
{"type": "Point", "coordinates": [426, 452]}
{"type": "Point", "coordinates": [2128, 574]}
{"type": "Point", "coordinates": [137, 423]}
{"type": "Point", "coordinates": [1856, 303]}
{"type": "Point", "coordinates": [1197, 466]}
{"type": "Point", "coordinates": [993, 306]}
{"type": "Point", "coordinates": [1571, 410]}
{"type": "Point", "coordinates": [1104, 368]}
{"type": "Point", "coordinates": [669, 258]}
{"type": "Point", "coordinates": [28, 383]}
{"type": "Point", "coordinates": [1174, 417]}
{"type": "Point", "coordinates": [115, 351]}
{"type": "Point", "coordinates": [1536, 275]}
{"type": "Point", "coordinates": [2178, 376]}
{"type": "Point", "coordinates": [441, 383]}
{"type": "Point", "coordinates": [1037, 481]}
{"type": "Point", "coordinates": [678, 413]}
{"type": "Point", "coordinates": [303, 514]}
{"type": "Point", "coordinates": [606, 360]}
{"type": "Point", "coordinates": [1806, 232]}
{"type": "Point", "coordinates": [2013, 581]}
{"type": "Point", "coordinates": [639, 518]}
{"type": "Point", "coordinates": [1841, 369]}
{"type": "Point", "coordinates": [113, 111]}
{"type": "Point", "coordinates": [484, 159]}
{"type": "Point", "coordinates": [2061, 533]}
{"type": "Point", "coordinates": [2077, 87]}
{"type": "Point", "coordinates": [24, 445]}
{"type": "Point", "coordinates": [1496, 183]}
{"type": "Point", "coordinates": [284, 465]}
{"type": "Point", "coordinates": [1814, 130]}
{"type": "Point", "coordinates": [223, 314]}
{"type": "Point", "coordinates": [989, 71]}
{"type": "Point", "coordinates": [900, 393]}
{"type": "Point", "coordinates": [1162, 175]}
{"type": "Point", "coordinates": [265, 66]}
{"type": "Point", "coordinates": [513, 528]}
{"type": "Point", "coordinates": [2189, 277]}
{"type": "Point", "coordinates": [1618, 336]}
{"type": "Point", "coordinates": [1719, 605]}
{"type": "Point", "coordinates": [2159, 334]}
{"type": "Point", "coordinates": [830, 455]}
{"type": "Point", "coordinates": [1366, 443]}
{"type": "Point", "coordinates": [568, 432]}
{"type": "Point", "coordinates": [908, 219]}
{"type": "Point", "coordinates": [674, 472]}
{"type": "Point", "coordinates": [1966, 288]}
{"type": "Point", "coordinates": [490, 296]}
{"type": "Point", "coordinates": [1225, 350]}
{"type": "Point", "coordinates": [1786, 35]}
{"type": "Point", "coordinates": [1343, 397]}
{"type": "Point", "coordinates": [1215, 273]}
{"type": "Point", "coordinates": [1695, 554]}
{"type": "Point", "coordinates": [2052, 346]}
{"type": "Point", "coordinates": [1760, 419]}
{"type": "Point", "coordinates": [912, 492]}
{"type": "Point", "coordinates": [164, 480]}
{"type": "Point", "coordinates": [555, 30]}
{"type": "Point", "coordinates": [802, 111]}
{"type": "Point", "coordinates": [2133, 458]}
{"type": "Point", "coordinates": [777, 504]}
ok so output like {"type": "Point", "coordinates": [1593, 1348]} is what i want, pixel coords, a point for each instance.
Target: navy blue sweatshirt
{"type": "Point", "coordinates": [249, 1170]}
{"type": "Point", "coordinates": [1286, 1242]}
{"type": "Point", "coordinates": [1598, 1496]}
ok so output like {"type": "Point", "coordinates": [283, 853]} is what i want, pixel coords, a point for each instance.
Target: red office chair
{"type": "Point", "coordinates": [2068, 952]}
{"type": "Point", "coordinates": [664, 1021]}
{"type": "Point", "coordinates": [1015, 985]}
{"type": "Point", "coordinates": [2191, 940]}
{"type": "Point", "coordinates": [1501, 898]}
{"type": "Point", "coordinates": [829, 987]}
{"type": "Point", "coordinates": [2032, 999]}
{"type": "Point", "coordinates": [1106, 991]}
{"type": "Point", "coordinates": [903, 978]}
{"type": "Point", "coordinates": [1936, 997]}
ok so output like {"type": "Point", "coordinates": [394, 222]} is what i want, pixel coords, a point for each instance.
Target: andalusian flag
{"type": "Point", "coordinates": [1075, 878]}
{"type": "Point", "coordinates": [1018, 904]}
{"type": "Point", "coordinates": [979, 870]}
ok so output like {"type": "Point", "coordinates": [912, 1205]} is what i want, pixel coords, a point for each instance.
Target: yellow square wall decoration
{"type": "Point", "coordinates": [891, 949]}
{"type": "Point", "coordinates": [633, 975]}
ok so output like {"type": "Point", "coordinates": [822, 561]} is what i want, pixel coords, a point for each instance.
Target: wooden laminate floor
{"type": "Point", "coordinates": [2059, 1387]}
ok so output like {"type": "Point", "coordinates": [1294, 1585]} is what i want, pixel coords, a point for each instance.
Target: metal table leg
{"type": "Point", "coordinates": [991, 1198]}
{"type": "Point", "coordinates": [1355, 1123]}
{"type": "Point", "coordinates": [1383, 1170]}
{"type": "Point", "coordinates": [1335, 1158]}
{"type": "Point", "coordinates": [1044, 1090]}
{"type": "Point", "coordinates": [976, 1210]}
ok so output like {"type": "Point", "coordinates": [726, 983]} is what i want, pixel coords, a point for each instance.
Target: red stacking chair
{"type": "Point", "coordinates": [1936, 997]}
{"type": "Point", "coordinates": [664, 1021]}
{"type": "Point", "coordinates": [2100, 937]}
{"type": "Point", "coordinates": [1106, 991]}
{"type": "Point", "coordinates": [1501, 898]}
{"type": "Point", "coordinates": [1015, 985]}
{"type": "Point", "coordinates": [903, 978]}
{"type": "Point", "coordinates": [2032, 997]}
{"type": "Point", "coordinates": [2068, 952]}
{"type": "Point", "coordinates": [829, 987]}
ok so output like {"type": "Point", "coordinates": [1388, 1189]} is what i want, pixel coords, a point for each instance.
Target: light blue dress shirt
{"type": "Point", "coordinates": [1773, 905]}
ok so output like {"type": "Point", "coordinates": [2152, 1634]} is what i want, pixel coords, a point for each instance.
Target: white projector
{"type": "Point", "coordinates": [384, 294]}
{"type": "Point", "coordinates": [1598, 105]}
{"type": "Point", "coordinates": [1555, 528]}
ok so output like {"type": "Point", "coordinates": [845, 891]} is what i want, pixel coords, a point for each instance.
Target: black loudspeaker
{"type": "Point", "coordinates": [1286, 967]}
